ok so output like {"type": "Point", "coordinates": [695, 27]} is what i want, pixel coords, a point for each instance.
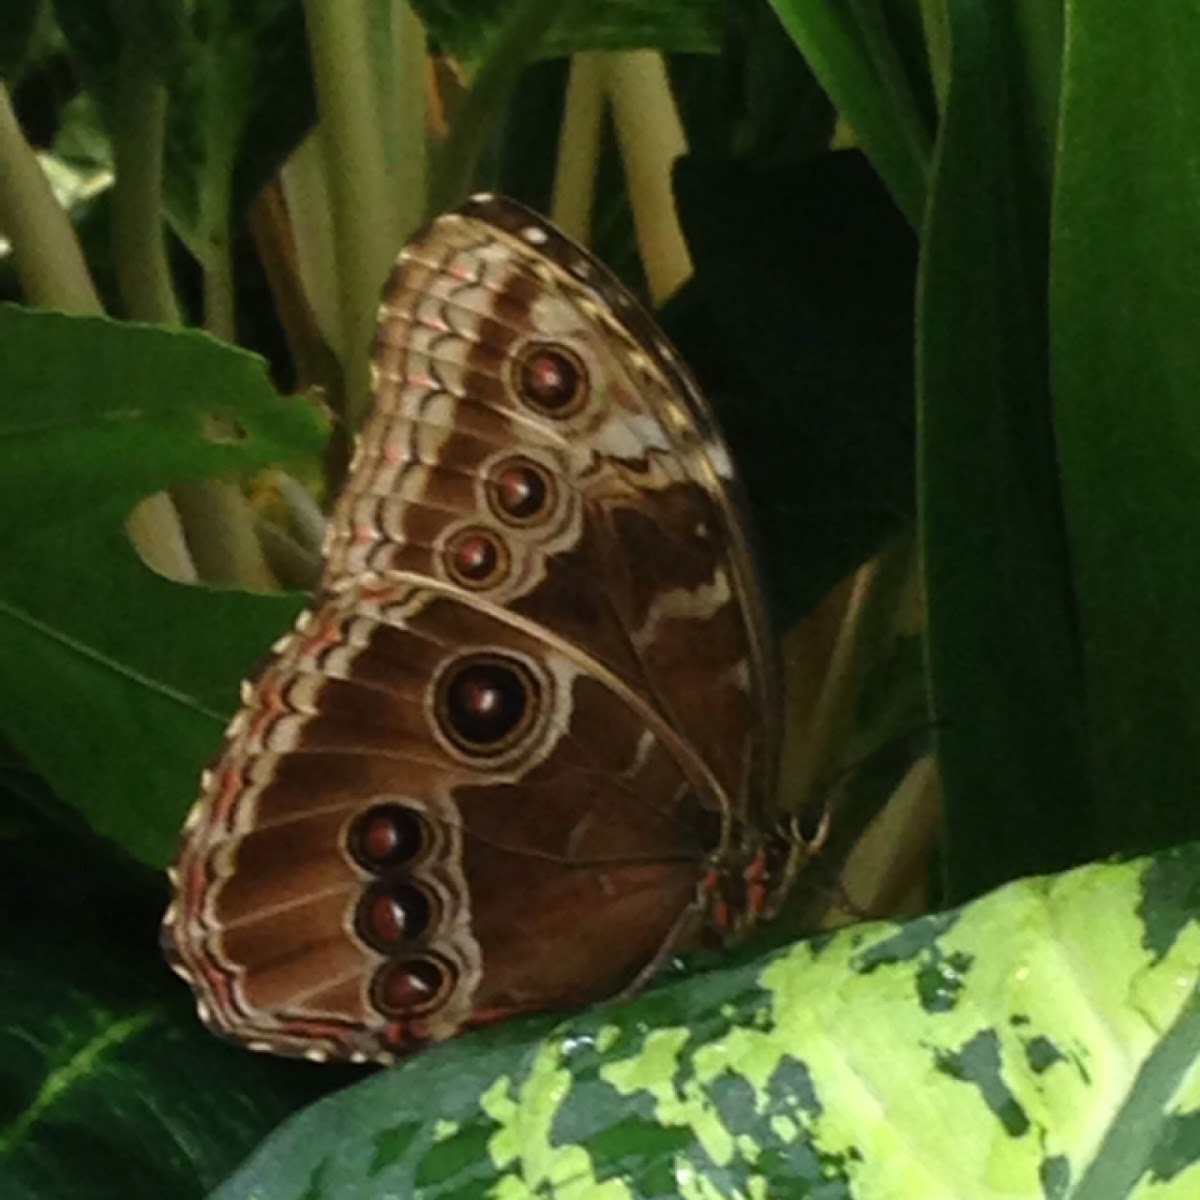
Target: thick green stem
{"type": "Point", "coordinates": [139, 241]}
{"type": "Point", "coordinates": [356, 176]}
{"type": "Point", "coordinates": [409, 159]}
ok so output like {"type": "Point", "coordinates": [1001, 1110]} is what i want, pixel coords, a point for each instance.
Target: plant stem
{"type": "Point", "coordinates": [454, 171]}
{"type": "Point", "coordinates": [219, 524]}
{"type": "Point", "coordinates": [50, 264]}
{"type": "Point", "coordinates": [139, 243]}
{"type": "Point", "coordinates": [409, 158]}
{"type": "Point", "coordinates": [306, 195]}
{"type": "Point", "coordinates": [811, 754]}
{"type": "Point", "coordinates": [54, 274]}
{"type": "Point", "coordinates": [579, 146]}
{"type": "Point", "coordinates": [651, 138]}
{"type": "Point", "coordinates": [356, 176]}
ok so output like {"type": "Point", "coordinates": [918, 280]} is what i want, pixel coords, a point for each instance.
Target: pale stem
{"type": "Point", "coordinates": [356, 176]}
{"type": "Point", "coordinates": [887, 873]}
{"type": "Point", "coordinates": [302, 180]}
{"type": "Point", "coordinates": [579, 147]}
{"type": "Point", "coordinates": [869, 621]}
{"type": "Point", "coordinates": [139, 242]}
{"type": "Point", "coordinates": [50, 264]}
{"type": "Point", "coordinates": [651, 137]}
{"type": "Point", "coordinates": [409, 150]}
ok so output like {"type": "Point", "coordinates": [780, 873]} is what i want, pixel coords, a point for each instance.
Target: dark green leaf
{"type": "Point", "coordinates": [240, 93]}
{"type": "Point", "coordinates": [862, 54]}
{"type": "Point", "coordinates": [136, 674]}
{"type": "Point", "coordinates": [109, 1086]}
{"type": "Point", "coordinates": [18, 20]}
{"type": "Point", "coordinates": [757, 99]}
{"type": "Point", "coordinates": [1003, 655]}
{"type": "Point", "coordinates": [1124, 315]}
{"type": "Point", "coordinates": [801, 330]}
{"type": "Point", "coordinates": [467, 28]}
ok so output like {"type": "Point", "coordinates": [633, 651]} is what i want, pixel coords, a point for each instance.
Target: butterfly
{"type": "Point", "coordinates": [521, 746]}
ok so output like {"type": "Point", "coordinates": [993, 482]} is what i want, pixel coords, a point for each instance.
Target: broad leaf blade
{"type": "Point", "coordinates": [1003, 655]}
{"type": "Point", "coordinates": [468, 29]}
{"type": "Point", "coordinates": [800, 330]}
{"type": "Point", "coordinates": [858, 52]}
{"type": "Point", "coordinates": [1124, 315]}
{"type": "Point", "coordinates": [109, 1086]}
{"type": "Point", "coordinates": [135, 673]}
{"type": "Point", "coordinates": [1041, 1040]}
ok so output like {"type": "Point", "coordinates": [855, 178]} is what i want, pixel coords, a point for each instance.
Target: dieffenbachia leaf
{"type": "Point", "coordinates": [1040, 1042]}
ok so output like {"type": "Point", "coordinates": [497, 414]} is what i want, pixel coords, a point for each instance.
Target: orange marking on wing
{"type": "Point", "coordinates": [327, 635]}
{"type": "Point", "coordinates": [228, 789]}
{"type": "Point", "coordinates": [273, 706]}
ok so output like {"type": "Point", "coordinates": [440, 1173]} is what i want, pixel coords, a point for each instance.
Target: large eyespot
{"type": "Point", "coordinates": [521, 491]}
{"type": "Point", "coordinates": [412, 986]}
{"type": "Point", "coordinates": [475, 558]}
{"type": "Point", "coordinates": [392, 914]}
{"type": "Point", "coordinates": [551, 379]}
{"type": "Point", "coordinates": [485, 703]}
{"type": "Point", "coordinates": [385, 836]}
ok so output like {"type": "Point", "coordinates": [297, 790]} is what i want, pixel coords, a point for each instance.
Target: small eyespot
{"type": "Point", "coordinates": [535, 235]}
{"type": "Point", "coordinates": [475, 558]}
{"type": "Point", "coordinates": [521, 491]}
{"type": "Point", "coordinates": [412, 987]}
{"type": "Point", "coordinates": [385, 836]}
{"type": "Point", "coordinates": [551, 379]}
{"type": "Point", "coordinates": [390, 915]}
{"type": "Point", "coordinates": [484, 703]}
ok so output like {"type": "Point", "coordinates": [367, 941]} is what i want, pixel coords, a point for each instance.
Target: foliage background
{"type": "Point", "coordinates": [934, 263]}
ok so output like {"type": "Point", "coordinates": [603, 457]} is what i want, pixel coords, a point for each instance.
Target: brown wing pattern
{"type": "Point", "coordinates": [495, 764]}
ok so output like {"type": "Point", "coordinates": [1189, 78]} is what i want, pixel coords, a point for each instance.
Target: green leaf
{"type": "Point", "coordinates": [109, 1086]}
{"type": "Point", "coordinates": [18, 21]}
{"type": "Point", "coordinates": [133, 673]}
{"type": "Point", "coordinates": [862, 53]}
{"type": "Point", "coordinates": [1003, 654]}
{"type": "Point", "coordinates": [468, 28]}
{"type": "Point", "coordinates": [1124, 314]}
{"type": "Point", "coordinates": [811, 365]}
{"type": "Point", "coordinates": [240, 93]}
{"type": "Point", "coordinates": [1043, 1041]}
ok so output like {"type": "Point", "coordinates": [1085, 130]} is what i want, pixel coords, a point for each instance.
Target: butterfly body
{"type": "Point", "coordinates": [521, 744]}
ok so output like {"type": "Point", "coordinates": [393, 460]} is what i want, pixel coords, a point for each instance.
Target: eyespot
{"type": "Point", "coordinates": [385, 836]}
{"type": "Point", "coordinates": [485, 703]}
{"type": "Point", "coordinates": [390, 915]}
{"type": "Point", "coordinates": [475, 558]}
{"type": "Point", "coordinates": [521, 491]}
{"type": "Point", "coordinates": [412, 986]}
{"type": "Point", "coordinates": [551, 379]}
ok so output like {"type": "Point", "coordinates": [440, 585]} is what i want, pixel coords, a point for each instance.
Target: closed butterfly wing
{"type": "Point", "coordinates": [520, 745]}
